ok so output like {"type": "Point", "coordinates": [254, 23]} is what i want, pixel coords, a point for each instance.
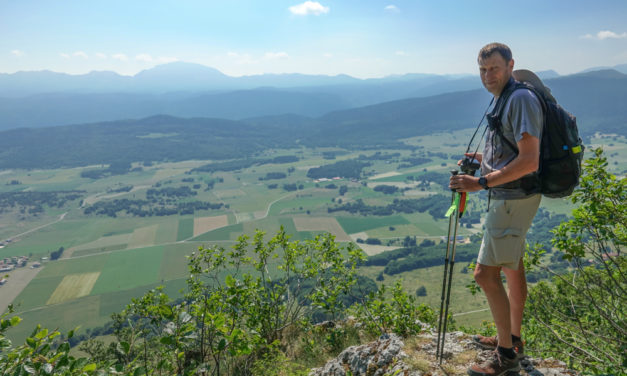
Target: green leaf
{"type": "Point", "coordinates": [124, 347]}
{"type": "Point", "coordinates": [166, 340]}
{"type": "Point", "coordinates": [31, 342]}
{"type": "Point", "coordinates": [15, 320]}
{"type": "Point", "coordinates": [166, 311]}
{"type": "Point", "coordinates": [63, 361]}
{"type": "Point", "coordinates": [42, 334]}
{"type": "Point", "coordinates": [222, 344]}
{"type": "Point", "coordinates": [230, 281]}
{"type": "Point", "coordinates": [90, 367]}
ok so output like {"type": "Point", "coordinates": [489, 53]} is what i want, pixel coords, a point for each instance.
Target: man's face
{"type": "Point", "coordinates": [495, 73]}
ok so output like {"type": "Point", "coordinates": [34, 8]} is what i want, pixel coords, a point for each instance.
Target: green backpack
{"type": "Point", "coordinates": [561, 148]}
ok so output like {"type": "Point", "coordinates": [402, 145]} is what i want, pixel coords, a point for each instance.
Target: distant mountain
{"type": "Point", "coordinates": [545, 75]}
{"type": "Point", "coordinates": [621, 68]}
{"type": "Point", "coordinates": [171, 77]}
{"type": "Point", "coordinates": [597, 100]}
{"type": "Point", "coordinates": [180, 76]}
{"type": "Point", "coordinates": [70, 108]}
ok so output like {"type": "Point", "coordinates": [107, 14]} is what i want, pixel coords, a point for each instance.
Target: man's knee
{"type": "Point", "coordinates": [487, 276]}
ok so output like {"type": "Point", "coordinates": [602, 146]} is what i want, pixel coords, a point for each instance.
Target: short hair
{"type": "Point", "coordinates": [499, 48]}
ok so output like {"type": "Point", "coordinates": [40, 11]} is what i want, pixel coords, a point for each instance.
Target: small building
{"type": "Point", "coordinates": [35, 265]}
{"type": "Point", "coordinates": [6, 268]}
{"type": "Point", "coordinates": [3, 281]}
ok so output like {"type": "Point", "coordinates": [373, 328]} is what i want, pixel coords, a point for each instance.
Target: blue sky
{"type": "Point", "coordinates": [361, 38]}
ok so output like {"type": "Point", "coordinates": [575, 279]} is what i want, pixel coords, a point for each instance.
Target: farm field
{"type": "Point", "coordinates": [111, 257]}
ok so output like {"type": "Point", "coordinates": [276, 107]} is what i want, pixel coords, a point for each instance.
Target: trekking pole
{"type": "Point", "coordinates": [457, 214]}
{"type": "Point", "coordinates": [456, 210]}
{"type": "Point", "coordinates": [438, 355]}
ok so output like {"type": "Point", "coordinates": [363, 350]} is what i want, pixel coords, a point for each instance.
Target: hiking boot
{"type": "Point", "coordinates": [490, 343]}
{"type": "Point", "coordinates": [496, 365]}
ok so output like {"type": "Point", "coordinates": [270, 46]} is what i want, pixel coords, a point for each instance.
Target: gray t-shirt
{"type": "Point", "coordinates": [522, 113]}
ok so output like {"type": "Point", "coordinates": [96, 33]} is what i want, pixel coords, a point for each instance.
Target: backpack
{"type": "Point", "coordinates": [561, 148]}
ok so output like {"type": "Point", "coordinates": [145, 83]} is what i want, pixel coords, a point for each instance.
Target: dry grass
{"type": "Point", "coordinates": [73, 286]}
{"type": "Point", "coordinates": [144, 236]}
{"type": "Point", "coordinates": [327, 224]}
{"type": "Point", "coordinates": [206, 224]}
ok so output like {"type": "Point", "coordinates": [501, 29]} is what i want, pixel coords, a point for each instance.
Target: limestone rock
{"type": "Point", "coordinates": [381, 357]}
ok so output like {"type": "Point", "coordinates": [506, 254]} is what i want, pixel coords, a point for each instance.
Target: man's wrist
{"type": "Point", "coordinates": [483, 182]}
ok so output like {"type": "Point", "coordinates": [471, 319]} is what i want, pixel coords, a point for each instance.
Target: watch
{"type": "Point", "coordinates": [483, 182]}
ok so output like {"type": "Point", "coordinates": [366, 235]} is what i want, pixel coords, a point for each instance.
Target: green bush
{"type": "Point", "coordinates": [582, 314]}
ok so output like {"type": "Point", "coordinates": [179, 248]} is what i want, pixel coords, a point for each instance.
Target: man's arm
{"type": "Point", "coordinates": [525, 163]}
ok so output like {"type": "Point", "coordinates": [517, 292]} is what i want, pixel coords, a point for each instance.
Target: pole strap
{"type": "Point", "coordinates": [454, 206]}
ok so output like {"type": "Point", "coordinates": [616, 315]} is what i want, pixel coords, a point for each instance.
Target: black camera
{"type": "Point", "coordinates": [469, 166]}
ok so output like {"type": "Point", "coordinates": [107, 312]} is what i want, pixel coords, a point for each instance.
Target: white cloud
{"type": "Point", "coordinates": [120, 57]}
{"type": "Point", "coordinates": [309, 7]}
{"type": "Point", "coordinates": [64, 55]}
{"type": "Point", "coordinates": [167, 59]}
{"type": "Point", "coordinates": [605, 34]}
{"type": "Point", "coordinates": [80, 54]}
{"type": "Point", "coordinates": [17, 53]}
{"type": "Point", "coordinates": [327, 55]}
{"type": "Point", "coordinates": [610, 34]}
{"type": "Point", "coordinates": [144, 57]}
{"type": "Point", "coordinates": [100, 55]}
{"type": "Point", "coordinates": [401, 53]}
{"type": "Point", "coordinates": [392, 9]}
{"type": "Point", "coordinates": [276, 55]}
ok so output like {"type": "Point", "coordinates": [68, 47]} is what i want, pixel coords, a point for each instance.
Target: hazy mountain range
{"type": "Point", "coordinates": [596, 98]}
{"type": "Point", "coordinates": [37, 99]}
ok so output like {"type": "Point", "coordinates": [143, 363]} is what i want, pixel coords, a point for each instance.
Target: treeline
{"type": "Point", "coordinates": [429, 256]}
{"type": "Point", "coordinates": [378, 156]}
{"type": "Point", "coordinates": [439, 178]}
{"type": "Point", "coordinates": [126, 188]}
{"type": "Point", "coordinates": [386, 189]}
{"type": "Point", "coordinates": [436, 205]}
{"type": "Point", "coordinates": [543, 223]}
{"type": "Point", "coordinates": [33, 202]}
{"type": "Point", "coordinates": [347, 169]}
{"type": "Point", "coordinates": [143, 208]}
{"type": "Point", "coordinates": [184, 191]}
{"type": "Point", "coordinates": [241, 164]}
{"type": "Point", "coordinates": [425, 255]}
{"type": "Point", "coordinates": [274, 176]}
{"type": "Point", "coordinates": [414, 161]}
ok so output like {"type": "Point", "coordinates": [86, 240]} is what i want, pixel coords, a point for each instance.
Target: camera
{"type": "Point", "coordinates": [469, 166]}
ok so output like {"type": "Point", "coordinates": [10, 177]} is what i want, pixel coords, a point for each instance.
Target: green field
{"type": "Point", "coordinates": [185, 229]}
{"type": "Point", "coordinates": [358, 224]}
{"type": "Point", "coordinates": [129, 269]}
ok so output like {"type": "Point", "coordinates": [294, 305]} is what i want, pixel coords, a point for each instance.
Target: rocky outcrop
{"type": "Point", "coordinates": [389, 355]}
{"type": "Point", "coordinates": [381, 357]}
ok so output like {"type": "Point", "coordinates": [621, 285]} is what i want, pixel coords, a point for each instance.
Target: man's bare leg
{"type": "Point", "coordinates": [517, 287]}
{"type": "Point", "coordinates": [489, 278]}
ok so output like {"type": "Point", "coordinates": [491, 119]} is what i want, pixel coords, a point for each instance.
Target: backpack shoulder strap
{"type": "Point", "coordinates": [500, 105]}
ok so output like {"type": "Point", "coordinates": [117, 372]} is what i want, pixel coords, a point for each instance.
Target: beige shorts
{"type": "Point", "coordinates": [506, 225]}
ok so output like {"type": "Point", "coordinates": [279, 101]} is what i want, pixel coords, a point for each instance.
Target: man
{"type": "Point", "coordinates": [511, 208]}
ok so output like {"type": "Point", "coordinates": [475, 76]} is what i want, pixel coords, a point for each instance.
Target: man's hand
{"type": "Point", "coordinates": [464, 183]}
